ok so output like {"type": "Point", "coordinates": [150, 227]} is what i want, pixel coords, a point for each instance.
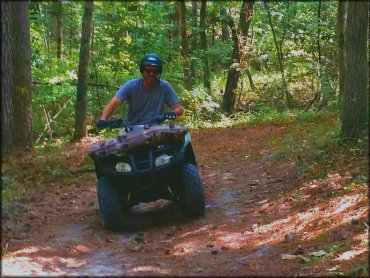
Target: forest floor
{"type": "Point", "coordinates": [262, 218]}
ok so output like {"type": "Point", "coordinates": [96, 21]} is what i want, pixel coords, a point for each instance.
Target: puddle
{"type": "Point", "coordinates": [100, 263]}
{"type": "Point", "coordinates": [228, 202]}
{"type": "Point", "coordinates": [126, 238]}
{"type": "Point", "coordinates": [258, 253]}
{"type": "Point", "coordinates": [72, 233]}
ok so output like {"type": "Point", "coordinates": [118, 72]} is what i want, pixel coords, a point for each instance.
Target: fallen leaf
{"type": "Point", "coordinates": [74, 264]}
{"type": "Point", "coordinates": [288, 257]}
{"type": "Point", "coordinates": [303, 258]}
{"type": "Point", "coordinates": [320, 253]}
{"type": "Point", "coordinates": [293, 257]}
{"type": "Point", "coordinates": [333, 268]}
{"type": "Point", "coordinates": [199, 269]}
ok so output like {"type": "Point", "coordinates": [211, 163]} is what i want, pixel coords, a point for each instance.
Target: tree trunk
{"type": "Point", "coordinates": [41, 13]}
{"type": "Point", "coordinates": [22, 77]}
{"type": "Point", "coordinates": [318, 32]}
{"type": "Point", "coordinates": [340, 27]}
{"type": "Point", "coordinates": [7, 130]}
{"type": "Point", "coordinates": [203, 46]}
{"type": "Point", "coordinates": [58, 15]}
{"type": "Point", "coordinates": [81, 101]}
{"type": "Point", "coordinates": [224, 26]}
{"type": "Point", "coordinates": [356, 71]}
{"type": "Point", "coordinates": [184, 45]}
{"type": "Point", "coordinates": [280, 58]}
{"type": "Point", "coordinates": [194, 23]}
{"type": "Point", "coordinates": [239, 38]}
{"type": "Point", "coordinates": [194, 35]}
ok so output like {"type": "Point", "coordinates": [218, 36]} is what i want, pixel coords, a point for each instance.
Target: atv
{"type": "Point", "coordinates": [146, 163]}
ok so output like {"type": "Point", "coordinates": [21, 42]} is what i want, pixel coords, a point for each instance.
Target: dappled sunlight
{"type": "Point", "coordinates": [27, 250]}
{"type": "Point", "coordinates": [202, 229]}
{"type": "Point", "coordinates": [155, 270]}
{"type": "Point", "coordinates": [230, 239]}
{"type": "Point", "coordinates": [34, 260]}
{"type": "Point", "coordinates": [349, 255]}
{"type": "Point", "coordinates": [342, 203]}
{"type": "Point", "coordinates": [309, 224]}
{"type": "Point", "coordinates": [21, 263]}
{"type": "Point", "coordinates": [363, 237]}
{"type": "Point", "coordinates": [185, 248]}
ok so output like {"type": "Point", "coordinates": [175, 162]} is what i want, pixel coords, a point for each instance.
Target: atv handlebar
{"type": "Point", "coordinates": [120, 123]}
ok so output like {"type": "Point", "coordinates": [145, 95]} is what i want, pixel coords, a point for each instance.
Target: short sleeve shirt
{"type": "Point", "coordinates": [145, 104]}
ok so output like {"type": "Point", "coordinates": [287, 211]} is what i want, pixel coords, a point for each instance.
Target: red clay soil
{"type": "Point", "coordinates": [262, 219]}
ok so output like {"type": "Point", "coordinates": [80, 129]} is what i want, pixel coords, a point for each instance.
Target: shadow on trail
{"type": "Point", "coordinates": [154, 214]}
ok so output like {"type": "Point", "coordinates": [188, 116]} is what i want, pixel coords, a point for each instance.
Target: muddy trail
{"type": "Point", "coordinates": [252, 218]}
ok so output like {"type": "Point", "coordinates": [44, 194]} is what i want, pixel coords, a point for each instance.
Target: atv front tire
{"type": "Point", "coordinates": [109, 205]}
{"type": "Point", "coordinates": [193, 198]}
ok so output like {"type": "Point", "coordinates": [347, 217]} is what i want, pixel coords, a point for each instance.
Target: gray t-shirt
{"type": "Point", "coordinates": [143, 103]}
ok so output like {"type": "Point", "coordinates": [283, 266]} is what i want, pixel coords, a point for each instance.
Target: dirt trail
{"type": "Point", "coordinates": [250, 221]}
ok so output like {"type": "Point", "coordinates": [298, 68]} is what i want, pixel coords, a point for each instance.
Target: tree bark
{"type": "Point", "coordinates": [58, 15]}
{"type": "Point", "coordinates": [356, 71]}
{"type": "Point", "coordinates": [224, 26]}
{"type": "Point", "coordinates": [184, 45]}
{"type": "Point", "coordinates": [194, 23]}
{"type": "Point", "coordinates": [280, 58]}
{"type": "Point", "coordinates": [203, 45]}
{"type": "Point", "coordinates": [22, 78]}
{"type": "Point", "coordinates": [318, 32]}
{"type": "Point", "coordinates": [7, 130]}
{"type": "Point", "coordinates": [81, 101]}
{"type": "Point", "coordinates": [194, 37]}
{"type": "Point", "coordinates": [340, 27]}
{"type": "Point", "coordinates": [238, 37]}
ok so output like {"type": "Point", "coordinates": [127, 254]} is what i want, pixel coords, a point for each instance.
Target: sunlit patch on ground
{"type": "Point", "coordinates": [186, 248]}
{"type": "Point", "coordinates": [348, 255]}
{"type": "Point", "coordinates": [27, 262]}
{"type": "Point", "coordinates": [138, 270]}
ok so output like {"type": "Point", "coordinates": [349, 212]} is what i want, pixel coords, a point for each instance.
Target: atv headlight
{"type": "Point", "coordinates": [123, 167]}
{"type": "Point", "coordinates": [162, 160]}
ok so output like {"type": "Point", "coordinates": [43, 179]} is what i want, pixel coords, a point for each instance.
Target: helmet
{"type": "Point", "coordinates": [151, 60]}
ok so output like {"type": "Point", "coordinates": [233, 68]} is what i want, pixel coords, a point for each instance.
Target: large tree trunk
{"type": "Point", "coordinates": [184, 45]}
{"type": "Point", "coordinates": [203, 45]}
{"type": "Point", "coordinates": [7, 130]}
{"type": "Point", "coordinates": [81, 101]}
{"type": "Point", "coordinates": [22, 78]}
{"type": "Point", "coordinates": [356, 72]}
{"type": "Point", "coordinates": [340, 27]}
{"type": "Point", "coordinates": [239, 37]}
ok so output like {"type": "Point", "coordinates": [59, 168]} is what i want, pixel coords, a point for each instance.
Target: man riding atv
{"type": "Point", "coordinates": [151, 160]}
{"type": "Point", "coordinates": [146, 95]}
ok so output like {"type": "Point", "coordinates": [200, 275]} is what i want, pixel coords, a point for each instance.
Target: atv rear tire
{"type": "Point", "coordinates": [109, 206]}
{"type": "Point", "coordinates": [193, 199]}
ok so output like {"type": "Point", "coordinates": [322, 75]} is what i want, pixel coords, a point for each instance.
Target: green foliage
{"type": "Point", "coordinates": [125, 31]}
{"type": "Point", "coordinates": [358, 270]}
{"type": "Point", "coordinates": [309, 140]}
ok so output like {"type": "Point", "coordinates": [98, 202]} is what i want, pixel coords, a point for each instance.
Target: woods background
{"type": "Point", "coordinates": [229, 62]}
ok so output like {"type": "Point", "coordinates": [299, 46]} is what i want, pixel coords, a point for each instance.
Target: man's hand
{"type": "Point", "coordinates": [170, 115]}
{"type": "Point", "coordinates": [101, 124]}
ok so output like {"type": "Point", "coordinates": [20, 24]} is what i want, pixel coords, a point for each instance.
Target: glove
{"type": "Point", "coordinates": [170, 115]}
{"type": "Point", "coordinates": [101, 124]}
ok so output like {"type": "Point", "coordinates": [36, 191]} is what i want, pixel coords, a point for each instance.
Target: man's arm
{"type": "Point", "coordinates": [177, 108]}
{"type": "Point", "coordinates": [110, 108]}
